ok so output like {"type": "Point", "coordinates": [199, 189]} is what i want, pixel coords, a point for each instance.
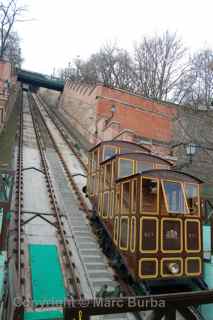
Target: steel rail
{"type": "Point", "coordinates": [66, 169]}
{"type": "Point", "coordinates": [74, 280]}
{"type": "Point", "coordinates": [19, 193]}
{"type": "Point", "coordinates": [56, 123]}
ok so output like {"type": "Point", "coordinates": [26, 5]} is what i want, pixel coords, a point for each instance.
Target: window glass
{"type": "Point", "coordinates": [133, 234]}
{"type": "Point", "coordinates": [124, 233]}
{"type": "Point", "coordinates": [115, 230]}
{"type": "Point", "coordinates": [109, 152]}
{"type": "Point", "coordinates": [93, 184]}
{"type": "Point", "coordinates": [117, 202]}
{"type": "Point", "coordinates": [126, 201]}
{"type": "Point", "coordinates": [95, 160]}
{"type": "Point", "coordinates": [175, 197]}
{"type": "Point", "coordinates": [191, 191]}
{"type": "Point", "coordinates": [100, 203]}
{"type": "Point", "coordinates": [101, 177]}
{"type": "Point", "coordinates": [144, 166]}
{"type": "Point", "coordinates": [125, 168]}
{"type": "Point", "coordinates": [112, 204]}
{"type": "Point", "coordinates": [108, 174]}
{"type": "Point", "coordinates": [149, 195]}
{"type": "Point", "coordinates": [90, 163]}
{"type": "Point", "coordinates": [134, 195]}
{"type": "Point", "coordinates": [105, 204]}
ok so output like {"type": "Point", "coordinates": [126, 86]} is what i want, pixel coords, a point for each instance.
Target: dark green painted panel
{"type": "Point", "coordinates": [47, 277]}
{"type": "Point", "coordinates": [46, 315]}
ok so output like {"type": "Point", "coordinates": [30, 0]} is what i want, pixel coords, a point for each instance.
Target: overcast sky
{"type": "Point", "coordinates": [63, 29]}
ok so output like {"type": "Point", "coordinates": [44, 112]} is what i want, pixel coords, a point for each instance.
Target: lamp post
{"type": "Point", "coordinates": [113, 109]}
{"type": "Point", "coordinates": [190, 150]}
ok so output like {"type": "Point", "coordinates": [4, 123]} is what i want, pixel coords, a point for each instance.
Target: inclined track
{"type": "Point", "coordinates": [88, 254]}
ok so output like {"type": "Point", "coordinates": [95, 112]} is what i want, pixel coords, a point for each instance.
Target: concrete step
{"type": "Point", "coordinates": [100, 274]}
{"type": "Point", "coordinates": [90, 252]}
{"type": "Point", "coordinates": [93, 259]}
{"type": "Point", "coordinates": [85, 239]}
{"type": "Point", "coordinates": [88, 245]}
{"type": "Point", "coordinates": [81, 228]}
{"type": "Point", "coordinates": [82, 233]}
{"type": "Point", "coordinates": [116, 316]}
{"type": "Point", "coordinates": [104, 281]}
{"type": "Point", "coordinates": [95, 266]}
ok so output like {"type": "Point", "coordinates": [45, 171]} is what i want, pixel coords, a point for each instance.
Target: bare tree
{"type": "Point", "coordinates": [10, 12]}
{"type": "Point", "coordinates": [196, 87]}
{"type": "Point", "coordinates": [13, 49]}
{"type": "Point", "coordinates": [159, 65]}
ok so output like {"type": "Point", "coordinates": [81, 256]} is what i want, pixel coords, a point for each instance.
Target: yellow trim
{"type": "Point", "coordinates": [133, 233]}
{"type": "Point", "coordinates": [130, 196]}
{"type": "Point", "coordinates": [157, 235]}
{"type": "Point", "coordinates": [169, 274]}
{"type": "Point", "coordinates": [199, 235]}
{"type": "Point", "coordinates": [193, 273]}
{"type": "Point", "coordinates": [107, 215]}
{"type": "Point", "coordinates": [116, 230]}
{"type": "Point", "coordinates": [151, 275]}
{"type": "Point", "coordinates": [127, 246]}
{"type": "Point", "coordinates": [127, 159]}
{"type": "Point", "coordinates": [181, 235]}
{"type": "Point", "coordinates": [141, 196]}
{"type": "Point", "coordinates": [165, 197]}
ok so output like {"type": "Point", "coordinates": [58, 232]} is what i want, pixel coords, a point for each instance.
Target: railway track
{"type": "Point", "coordinates": [43, 221]}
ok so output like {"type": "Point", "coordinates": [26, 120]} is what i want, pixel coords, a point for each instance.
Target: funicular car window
{"type": "Point", "coordinates": [109, 151]}
{"type": "Point", "coordinates": [149, 195]}
{"type": "Point", "coordinates": [112, 204]}
{"type": "Point", "coordinates": [143, 166]}
{"type": "Point", "coordinates": [117, 202]}
{"type": "Point", "coordinates": [174, 197]}
{"type": "Point", "coordinates": [106, 204]}
{"type": "Point", "coordinates": [95, 160]}
{"type": "Point", "coordinates": [116, 230]}
{"type": "Point", "coordinates": [93, 184]}
{"type": "Point", "coordinates": [192, 192]}
{"type": "Point", "coordinates": [134, 195]}
{"type": "Point", "coordinates": [125, 168]}
{"type": "Point", "coordinates": [124, 233]}
{"type": "Point", "coordinates": [108, 175]}
{"type": "Point", "coordinates": [126, 197]}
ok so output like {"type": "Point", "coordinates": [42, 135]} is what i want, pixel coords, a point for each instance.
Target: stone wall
{"type": "Point", "coordinates": [78, 104]}
{"type": "Point", "coordinates": [51, 97]}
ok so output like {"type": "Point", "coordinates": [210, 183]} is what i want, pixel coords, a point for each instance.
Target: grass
{"type": "Point", "coordinates": [7, 140]}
